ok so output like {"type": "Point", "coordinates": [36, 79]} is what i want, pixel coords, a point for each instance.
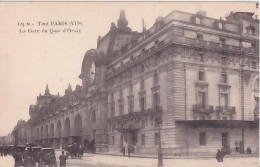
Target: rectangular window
{"type": "Point", "coordinates": [224, 99]}
{"type": "Point", "coordinates": [143, 139]}
{"type": "Point", "coordinates": [143, 123]}
{"type": "Point", "coordinates": [156, 122]}
{"type": "Point", "coordinates": [202, 99]}
{"type": "Point", "coordinates": [113, 140]}
{"type": "Point", "coordinates": [201, 57]}
{"type": "Point", "coordinates": [156, 100]}
{"type": "Point", "coordinates": [254, 65]}
{"type": "Point", "coordinates": [224, 60]}
{"type": "Point", "coordinates": [142, 103]}
{"type": "Point", "coordinates": [121, 108]}
{"type": "Point", "coordinates": [203, 139]}
{"type": "Point", "coordinates": [224, 77]}
{"type": "Point", "coordinates": [155, 79]}
{"type": "Point", "coordinates": [131, 104]}
{"type": "Point", "coordinates": [112, 111]}
{"type": "Point", "coordinates": [201, 75]}
{"type": "Point", "coordinates": [156, 139]}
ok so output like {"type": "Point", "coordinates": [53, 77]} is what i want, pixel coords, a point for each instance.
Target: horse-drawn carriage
{"type": "Point", "coordinates": [74, 151]}
{"type": "Point", "coordinates": [48, 157]}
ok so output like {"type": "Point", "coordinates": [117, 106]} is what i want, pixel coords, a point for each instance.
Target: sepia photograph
{"type": "Point", "coordinates": [129, 84]}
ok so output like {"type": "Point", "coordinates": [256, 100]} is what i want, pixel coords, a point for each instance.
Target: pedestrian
{"type": "Point", "coordinates": [222, 154]}
{"type": "Point", "coordinates": [123, 150]}
{"type": "Point", "coordinates": [63, 159]}
{"type": "Point", "coordinates": [130, 150]}
{"type": "Point", "coordinates": [218, 155]}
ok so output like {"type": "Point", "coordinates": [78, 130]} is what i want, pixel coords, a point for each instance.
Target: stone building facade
{"type": "Point", "coordinates": [195, 77]}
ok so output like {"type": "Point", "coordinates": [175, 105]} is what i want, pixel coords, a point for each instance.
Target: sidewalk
{"type": "Point", "coordinates": [154, 156]}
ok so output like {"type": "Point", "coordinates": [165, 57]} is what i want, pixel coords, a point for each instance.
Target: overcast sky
{"type": "Point", "coordinates": [29, 61]}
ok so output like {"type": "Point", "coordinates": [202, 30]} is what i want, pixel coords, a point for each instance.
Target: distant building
{"type": "Point", "coordinates": [195, 77]}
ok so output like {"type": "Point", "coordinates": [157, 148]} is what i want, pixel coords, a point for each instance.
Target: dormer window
{"type": "Point", "coordinates": [197, 20]}
{"type": "Point", "coordinates": [220, 25]}
{"type": "Point", "coordinates": [199, 36]}
{"type": "Point", "coordinates": [250, 29]}
{"type": "Point", "coordinates": [222, 39]}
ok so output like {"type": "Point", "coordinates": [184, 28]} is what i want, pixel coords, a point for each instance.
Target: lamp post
{"type": "Point", "coordinates": [160, 155]}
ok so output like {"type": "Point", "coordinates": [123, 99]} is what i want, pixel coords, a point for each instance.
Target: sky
{"type": "Point", "coordinates": [29, 61]}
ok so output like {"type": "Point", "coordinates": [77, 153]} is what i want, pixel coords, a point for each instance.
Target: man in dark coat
{"type": "Point", "coordinates": [63, 159]}
{"type": "Point", "coordinates": [218, 155]}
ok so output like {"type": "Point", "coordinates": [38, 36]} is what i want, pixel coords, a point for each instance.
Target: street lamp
{"type": "Point", "coordinates": [160, 155]}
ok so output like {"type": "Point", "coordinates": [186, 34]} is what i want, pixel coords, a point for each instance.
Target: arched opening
{"type": "Point", "coordinates": [256, 99]}
{"type": "Point", "coordinates": [59, 129]}
{"type": "Point", "coordinates": [93, 117]}
{"type": "Point", "coordinates": [78, 129]}
{"type": "Point", "coordinates": [58, 132]}
{"type": "Point", "coordinates": [51, 135]}
{"type": "Point", "coordinates": [67, 132]}
{"type": "Point", "coordinates": [52, 131]}
{"type": "Point", "coordinates": [67, 127]}
{"type": "Point", "coordinates": [46, 132]}
{"type": "Point", "coordinates": [41, 133]}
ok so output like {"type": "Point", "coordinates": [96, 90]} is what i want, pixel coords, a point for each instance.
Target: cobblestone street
{"type": "Point", "coordinates": [90, 160]}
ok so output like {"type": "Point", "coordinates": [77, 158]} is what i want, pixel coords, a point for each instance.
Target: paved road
{"type": "Point", "coordinates": [90, 160]}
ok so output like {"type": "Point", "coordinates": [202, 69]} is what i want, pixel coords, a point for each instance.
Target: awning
{"type": "Point", "coordinates": [221, 123]}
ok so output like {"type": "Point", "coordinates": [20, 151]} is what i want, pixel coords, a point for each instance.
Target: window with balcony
{"type": "Point", "coordinates": [142, 103]}
{"type": "Point", "coordinates": [201, 75]}
{"type": "Point", "coordinates": [202, 99]}
{"type": "Point", "coordinates": [142, 84]}
{"type": "Point", "coordinates": [112, 108]}
{"type": "Point", "coordinates": [143, 123]}
{"type": "Point", "coordinates": [121, 108]}
{"type": "Point", "coordinates": [155, 79]}
{"type": "Point", "coordinates": [156, 139]}
{"type": "Point", "coordinates": [131, 104]}
{"type": "Point", "coordinates": [156, 122]}
{"type": "Point", "coordinates": [223, 60]}
{"type": "Point", "coordinates": [224, 99]}
{"type": "Point", "coordinates": [254, 65]}
{"type": "Point", "coordinates": [143, 139]}
{"type": "Point", "coordinates": [130, 89]}
{"type": "Point", "coordinates": [201, 57]}
{"type": "Point", "coordinates": [156, 100]}
{"type": "Point", "coordinates": [202, 139]}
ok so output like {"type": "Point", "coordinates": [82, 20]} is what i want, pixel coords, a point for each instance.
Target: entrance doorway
{"type": "Point", "coordinates": [225, 143]}
{"type": "Point", "coordinates": [130, 137]}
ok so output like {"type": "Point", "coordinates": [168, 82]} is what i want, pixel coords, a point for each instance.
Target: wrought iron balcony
{"type": "Point", "coordinates": [256, 113]}
{"type": "Point", "coordinates": [226, 110]}
{"type": "Point", "coordinates": [136, 115]}
{"type": "Point", "coordinates": [202, 109]}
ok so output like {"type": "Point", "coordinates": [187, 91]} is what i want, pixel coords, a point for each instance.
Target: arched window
{"type": "Point", "coordinates": [93, 117]}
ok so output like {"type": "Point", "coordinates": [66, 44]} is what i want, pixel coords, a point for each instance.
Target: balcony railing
{"type": "Point", "coordinates": [200, 109]}
{"type": "Point", "coordinates": [134, 115]}
{"type": "Point", "coordinates": [256, 113]}
{"type": "Point", "coordinates": [226, 110]}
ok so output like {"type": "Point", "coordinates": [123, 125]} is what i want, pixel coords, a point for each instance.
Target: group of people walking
{"type": "Point", "coordinates": [129, 148]}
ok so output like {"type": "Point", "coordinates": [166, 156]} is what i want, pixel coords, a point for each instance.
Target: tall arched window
{"type": "Point", "coordinates": [93, 117]}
